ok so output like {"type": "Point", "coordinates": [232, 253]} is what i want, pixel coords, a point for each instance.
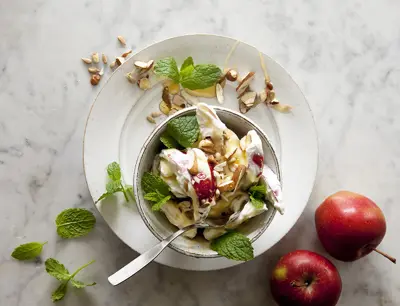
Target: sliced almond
{"type": "Point", "coordinates": [104, 58]}
{"type": "Point", "coordinates": [144, 84]}
{"type": "Point", "coordinates": [93, 70]}
{"type": "Point", "coordinates": [270, 96]}
{"type": "Point", "coordinates": [166, 97]}
{"type": "Point", "coordinates": [245, 83]}
{"type": "Point", "coordinates": [226, 186]}
{"type": "Point", "coordinates": [144, 65]}
{"type": "Point", "coordinates": [220, 93]}
{"type": "Point", "coordinates": [150, 119]}
{"type": "Point", "coordinates": [113, 64]}
{"type": "Point", "coordinates": [238, 175]}
{"type": "Point", "coordinates": [132, 78]}
{"type": "Point", "coordinates": [189, 98]}
{"type": "Point", "coordinates": [179, 101]}
{"type": "Point", "coordinates": [155, 114]}
{"type": "Point", "coordinates": [164, 108]}
{"type": "Point", "coordinates": [262, 96]}
{"type": "Point", "coordinates": [195, 168]}
{"type": "Point", "coordinates": [121, 39]}
{"type": "Point", "coordinates": [229, 155]}
{"type": "Point", "coordinates": [243, 108]}
{"type": "Point", "coordinates": [125, 54]}
{"type": "Point", "coordinates": [86, 60]}
{"type": "Point", "coordinates": [95, 57]}
{"type": "Point", "coordinates": [220, 167]}
{"type": "Point", "coordinates": [119, 61]}
{"type": "Point", "coordinates": [207, 146]}
{"type": "Point", "coordinates": [249, 98]}
{"type": "Point", "coordinates": [232, 75]}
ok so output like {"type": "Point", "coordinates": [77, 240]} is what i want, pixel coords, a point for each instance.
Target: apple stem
{"type": "Point", "coordinates": [392, 259]}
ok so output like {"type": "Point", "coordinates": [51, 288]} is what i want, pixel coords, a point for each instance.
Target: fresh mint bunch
{"type": "Point", "coordinates": [60, 272]}
{"type": "Point", "coordinates": [155, 190]}
{"type": "Point", "coordinates": [190, 76]}
{"type": "Point", "coordinates": [75, 222]}
{"type": "Point", "coordinates": [257, 195]}
{"type": "Point", "coordinates": [28, 251]}
{"type": "Point", "coordinates": [233, 245]}
{"type": "Point", "coordinates": [115, 184]}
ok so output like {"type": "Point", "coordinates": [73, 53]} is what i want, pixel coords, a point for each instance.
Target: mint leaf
{"type": "Point", "coordinates": [262, 189]}
{"type": "Point", "coordinates": [257, 203]}
{"type": "Point", "coordinates": [202, 76]}
{"type": "Point", "coordinates": [28, 251]}
{"type": "Point", "coordinates": [114, 171]}
{"type": "Point", "coordinates": [113, 187]}
{"type": "Point", "coordinates": [185, 73]}
{"type": "Point", "coordinates": [75, 222]}
{"type": "Point", "coordinates": [60, 292]}
{"type": "Point", "coordinates": [79, 284]}
{"type": "Point", "coordinates": [257, 195]}
{"type": "Point", "coordinates": [154, 183]}
{"type": "Point", "coordinates": [184, 129]}
{"type": "Point", "coordinates": [167, 67]}
{"type": "Point", "coordinates": [187, 62]}
{"type": "Point", "coordinates": [57, 269]}
{"type": "Point", "coordinates": [169, 141]}
{"type": "Point", "coordinates": [233, 245]}
{"type": "Point", "coordinates": [157, 206]}
{"type": "Point", "coordinates": [158, 198]}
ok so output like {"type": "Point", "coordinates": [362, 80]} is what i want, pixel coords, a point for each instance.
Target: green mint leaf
{"type": "Point", "coordinates": [103, 196]}
{"type": "Point", "coordinates": [262, 189]}
{"type": "Point", "coordinates": [28, 251]}
{"type": "Point", "coordinates": [154, 183]}
{"type": "Point", "coordinates": [152, 196]}
{"type": "Point", "coordinates": [160, 203]}
{"type": "Point", "coordinates": [257, 203]}
{"type": "Point", "coordinates": [167, 67]}
{"type": "Point", "coordinates": [113, 187]}
{"type": "Point", "coordinates": [57, 269]}
{"type": "Point", "coordinates": [202, 76]}
{"type": "Point", "coordinates": [129, 190]}
{"type": "Point", "coordinates": [169, 141]}
{"type": "Point", "coordinates": [233, 245]}
{"type": "Point", "coordinates": [187, 62]}
{"type": "Point", "coordinates": [60, 292]}
{"type": "Point", "coordinates": [185, 73]}
{"type": "Point", "coordinates": [184, 129]}
{"type": "Point", "coordinates": [114, 171]}
{"type": "Point", "coordinates": [79, 284]}
{"type": "Point", "coordinates": [75, 222]}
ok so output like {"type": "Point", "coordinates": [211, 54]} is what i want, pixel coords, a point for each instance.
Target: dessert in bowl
{"type": "Point", "coordinates": [207, 163]}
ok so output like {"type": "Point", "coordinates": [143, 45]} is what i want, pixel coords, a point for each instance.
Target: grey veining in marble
{"type": "Point", "coordinates": [345, 56]}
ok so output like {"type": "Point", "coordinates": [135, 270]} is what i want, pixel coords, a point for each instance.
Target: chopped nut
{"type": "Point", "coordinates": [226, 186]}
{"type": "Point", "coordinates": [218, 156]}
{"type": "Point", "coordinates": [93, 70]}
{"type": "Point", "coordinates": [164, 108]}
{"type": "Point", "coordinates": [95, 57]}
{"type": "Point", "coordinates": [211, 159]}
{"type": "Point", "coordinates": [220, 167]}
{"type": "Point", "coordinates": [249, 98]}
{"type": "Point", "coordinates": [144, 65]}
{"type": "Point", "coordinates": [101, 72]}
{"type": "Point", "coordinates": [112, 65]}
{"type": "Point", "coordinates": [189, 98]}
{"type": "Point", "coordinates": [207, 146]}
{"type": "Point", "coordinates": [195, 169]}
{"type": "Point", "coordinates": [179, 101]}
{"type": "Point", "coordinates": [220, 93]}
{"type": "Point", "coordinates": [122, 40]}
{"type": "Point", "coordinates": [104, 58]}
{"type": "Point", "coordinates": [166, 97]}
{"type": "Point", "coordinates": [270, 96]}
{"type": "Point", "coordinates": [125, 54]}
{"type": "Point", "coordinates": [232, 75]}
{"type": "Point", "coordinates": [95, 79]}
{"type": "Point", "coordinates": [269, 85]}
{"type": "Point", "coordinates": [144, 84]}
{"type": "Point", "coordinates": [150, 119]}
{"type": "Point", "coordinates": [245, 83]}
{"type": "Point", "coordinates": [86, 60]}
{"type": "Point", "coordinates": [131, 78]}
{"type": "Point", "coordinates": [119, 61]}
{"type": "Point", "coordinates": [262, 96]}
{"type": "Point", "coordinates": [243, 108]}
{"type": "Point", "coordinates": [155, 114]}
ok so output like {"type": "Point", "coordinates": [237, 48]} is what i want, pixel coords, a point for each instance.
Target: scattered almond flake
{"type": "Point", "coordinates": [243, 108]}
{"type": "Point", "coordinates": [189, 98]}
{"type": "Point", "coordinates": [86, 60]}
{"type": "Point", "coordinates": [283, 108]}
{"type": "Point", "coordinates": [95, 79]}
{"type": "Point", "coordinates": [125, 54]}
{"type": "Point", "coordinates": [249, 98]}
{"type": "Point", "coordinates": [230, 54]}
{"type": "Point", "coordinates": [131, 78]}
{"type": "Point", "coordinates": [164, 108]}
{"type": "Point", "coordinates": [104, 58]}
{"type": "Point", "coordinates": [122, 40]}
{"type": "Point", "coordinates": [155, 114]}
{"type": "Point", "coordinates": [220, 167]}
{"type": "Point", "coordinates": [245, 83]}
{"type": "Point", "coordinates": [95, 57]}
{"type": "Point", "coordinates": [144, 84]}
{"type": "Point", "coordinates": [207, 146]}
{"type": "Point", "coordinates": [101, 72]}
{"type": "Point", "coordinates": [232, 160]}
{"type": "Point", "coordinates": [150, 119]}
{"type": "Point", "coordinates": [226, 186]}
{"type": "Point", "coordinates": [262, 96]}
{"type": "Point", "coordinates": [195, 168]}
{"type": "Point", "coordinates": [144, 65]}
{"type": "Point", "coordinates": [93, 70]}
{"type": "Point", "coordinates": [112, 65]}
{"type": "Point", "coordinates": [220, 93]}
{"type": "Point", "coordinates": [178, 100]}
{"type": "Point", "coordinates": [166, 97]}
{"type": "Point", "coordinates": [119, 60]}
{"type": "Point", "coordinates": [266, 75]}
{"type": "Point", "coordinates": [232, 167]}
{"type": "Point", "coordinates": [232, 75]}
{"type": "Point", "coordinates": [230, 154]}
{"type": "Point", "coordinates": [238, 174]}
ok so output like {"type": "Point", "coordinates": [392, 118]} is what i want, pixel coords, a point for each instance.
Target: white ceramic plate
{"type": "Point", "coordinates": [117, 127]}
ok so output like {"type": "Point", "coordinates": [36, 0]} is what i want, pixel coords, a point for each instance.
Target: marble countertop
{"type": "Point", "coordinates": [343, 54]}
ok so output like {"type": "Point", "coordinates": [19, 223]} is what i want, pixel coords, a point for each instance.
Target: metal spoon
{"type": "Point", "coordinates": [147, 257]}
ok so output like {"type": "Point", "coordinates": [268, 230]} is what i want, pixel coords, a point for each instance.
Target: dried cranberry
{"type": "Point", "coordinates": [258, 159]}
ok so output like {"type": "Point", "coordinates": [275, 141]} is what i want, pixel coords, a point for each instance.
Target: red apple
{"type": "Point", "coordinates": [350, 226]}
{"type": "Point", "coordinates": [305, 278]}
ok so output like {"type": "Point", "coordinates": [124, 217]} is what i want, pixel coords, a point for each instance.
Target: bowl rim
{"type": "Point", "coordinates": [150, 139]}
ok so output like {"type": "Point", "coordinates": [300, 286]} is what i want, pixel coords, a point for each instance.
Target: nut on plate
{"type": "Point", "coordinates": [150, 119]}
{"type": "Point", "coordinates": [95, 58]}
{"type": "Point", "coordinates": [207, 146]}
{"type": "Point", "coordinates": [95, 79]}
{"type": "Point", "coordinates": [249, 98]}
{"type": "Point", "coordinates": [245, 83]}
{"type": "Point", "coordinates": [164, 108]}
{"type": "Point", "coordinates": [121, 39]}
{"type": "Point", "coordinates": [119, 60]}
{"type": "Point", "coordinates": [144, 84]}
{"type": "Point", "coordinates": [104, 58]}
{"type": "Point", "coordinates": [232, 75]}
{"type": "Point", "coordinates": [93, 70]}
{"type": "Point", "coordinates": [144, 65]}
{"type": "Point", "coordinates": [125, 54]}
{"type": "Point", "coordinates": [87, 60]}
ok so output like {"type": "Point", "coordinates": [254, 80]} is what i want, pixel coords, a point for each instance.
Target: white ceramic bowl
{"type": "Point", "coordinates": [159, 225]}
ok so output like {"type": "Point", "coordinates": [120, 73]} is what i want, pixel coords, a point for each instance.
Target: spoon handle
{"type": "Point", "coordinates": [147, 257]}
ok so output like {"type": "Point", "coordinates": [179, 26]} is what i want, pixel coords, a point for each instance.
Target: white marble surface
{"type": "Point", "coordinates": [344, 55]}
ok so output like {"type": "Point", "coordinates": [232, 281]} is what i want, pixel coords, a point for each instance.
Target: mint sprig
{"type": "Point", "coordinates": [190, 76]}
{"type": "Point", "coordinates": [155, 189]}
{"type": "Point", "coordinates": [158, 199]}
{"type": "Point", "coordinates": [233, 245]}
{"type": "Point", "coordinates": [28, 251]}
{"type": "Point", "coordinates": [75, 222]}
{"type": "Point", "coordinates": [257, 195]}
{"type": "Point", "coordinates": [60, 272]}
{"type": "Point", "coordinates": [185, 130]}
{"type": "Point", "coordinates": [115, 184]}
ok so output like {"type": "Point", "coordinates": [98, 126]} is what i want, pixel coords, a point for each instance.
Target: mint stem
{"type": "Point", "coordinates": [81, 268]}
{"type": "Point", "coordinates": [124, 192]}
